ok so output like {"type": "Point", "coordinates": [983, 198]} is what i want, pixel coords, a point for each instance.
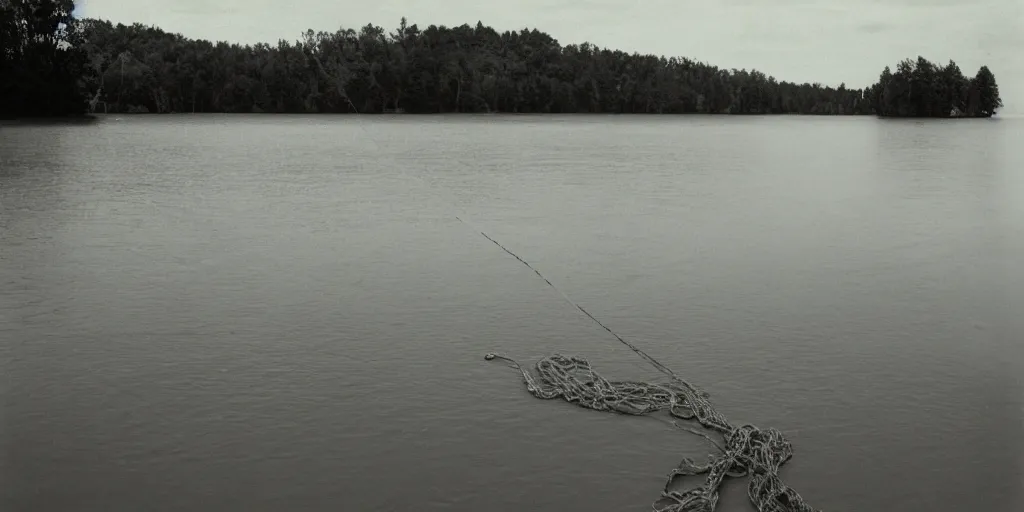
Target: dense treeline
{"type": "Point", "coordinates": [42, 64]}
{"type": "Point", "coordinates": [50, 61]}
{"type": "Point", "coordinates": [922, 89]}
{"type": "Point", "coordinates": [439, 69]}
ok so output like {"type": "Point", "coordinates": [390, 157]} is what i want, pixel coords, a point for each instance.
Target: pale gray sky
{"type": "Point", "coordinates": [828, 41]}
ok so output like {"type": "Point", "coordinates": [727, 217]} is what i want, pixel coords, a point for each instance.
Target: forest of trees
{"type": "Point", "coordinates": [42, 65]}
{"type": "Point", "coordinates": [922, 89]}
{"type": "Point", "coordinates": [439, 69]}
{"type": "Point", "coordinates": [53, 64]}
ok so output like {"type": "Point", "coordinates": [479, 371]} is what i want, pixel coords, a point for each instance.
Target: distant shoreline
{"type": "Point", "coordinates": [72, 119]}
{"type": "Point", "coordinates": [98, 116]}
{"type": "Point", "coordinates": [470, 69]}
{"type": "Point", "coordinates": [94, 66]}
{"type": "Point", "coordinates": [483, 114]}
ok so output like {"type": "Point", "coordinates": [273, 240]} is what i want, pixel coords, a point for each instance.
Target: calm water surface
{"type": "Point", "coordinates": [282, 313]}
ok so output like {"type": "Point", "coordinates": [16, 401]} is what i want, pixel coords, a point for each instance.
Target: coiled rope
{"type": "Point", "coordinates": [748, 450]}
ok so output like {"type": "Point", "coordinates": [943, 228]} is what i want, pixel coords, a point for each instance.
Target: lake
{"type": "Point", "coordinates": [283, 312]}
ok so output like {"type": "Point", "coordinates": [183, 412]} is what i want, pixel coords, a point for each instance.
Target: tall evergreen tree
{"type": "Point", "coordinates": [988, 92]}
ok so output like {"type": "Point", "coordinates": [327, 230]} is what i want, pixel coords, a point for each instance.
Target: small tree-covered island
{"type": "Point", "coordinates": [52, 64]}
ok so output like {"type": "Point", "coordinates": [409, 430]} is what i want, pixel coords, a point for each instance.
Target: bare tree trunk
{"type": "Point", "coordinates": [337, 83]}
{"type": "Point", "coordinates": [96, 99]}
{"type": "Point", "coordinates": [458, 95]}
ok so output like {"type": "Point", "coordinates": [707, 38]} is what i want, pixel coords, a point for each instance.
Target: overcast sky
{"type": "Point", "coordinates": [828, 41]}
